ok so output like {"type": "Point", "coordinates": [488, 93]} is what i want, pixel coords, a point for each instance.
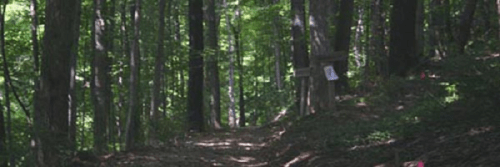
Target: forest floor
{"type": "Point", "coordinates": [370, 130]}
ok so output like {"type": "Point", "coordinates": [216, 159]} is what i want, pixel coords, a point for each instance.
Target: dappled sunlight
{"type": "Point", "coordinates": [480, 130]}
{"type": "Point", "coordinates": [242, 159]}
{"type": "Point", "coordinates": [374, 144]}
{"type": "Point", "coordinates": [302, 157]}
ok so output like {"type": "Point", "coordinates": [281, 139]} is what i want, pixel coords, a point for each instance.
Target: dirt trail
{"type": "Point", "coordinates": [241, 147]}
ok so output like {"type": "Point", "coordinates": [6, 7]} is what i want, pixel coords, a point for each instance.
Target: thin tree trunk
{"type": "Point", "coordinates": [299, 52]}
{"type": "Point", "coordinates": [73, 87]}
{"type": "Point", "coordinates": [465, 24]}
{"type": "Point", "coordinates": [213, 64]}
{"type": "Point", "coordinates": [36, 68]}
{"type": "Point", "coordinates": [121, 85]}
{"type": "Point", "coordinates": [133, 116]}
{"type": "Point", "coordinates": [100, 76]}
{"type": "Point", "coordinates": [357, 37]}
{"type": "Point", "coordinates": [237, 44]}
{"type": "Point", "coordinates": [154, 114]}
{"type": "Point", "coordinates": [419, 29]}
{"type": "Point", "coordinates": [498, 12]}
{"type": "Point", "coordinates": [232, 99]}
{"type": "Point", "coordinates": [195, 82]}
{"type": "Point", "coordinates": [6, 87]}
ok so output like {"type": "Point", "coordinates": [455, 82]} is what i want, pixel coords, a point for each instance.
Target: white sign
{"type": "Point", "coordinates": [330, 73]}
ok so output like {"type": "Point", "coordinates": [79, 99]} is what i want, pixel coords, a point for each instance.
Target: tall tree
{"type": "Point", "coordinates": [232, 99]}
{"type": "Point", "coordinates": [195, 82]}
{"type": "Point", "coordinates": [377, 38]}
{"type": "Point", "coordinates": [465, 24]}
{"type": "Point", "coordinates": [6, 132]}
{"type": "Point", "coordinates": [320, 46]}
{"type": "Point", "coordinates": [100, 75]}
{"type": "Point", "coordinates": [402, 44]}
{"type": "Point", "coordinates": [299, 51]}
{"type": "Point", "coordinates": [55, 78]}
{"type": "Point", "coordinates": [72, 83]}
{"type": "Point", "coordinates": [342, 41]}
{"type": "Point", "coordinates": [213, 64]}
{"type": "Point", "coordinates": [239, 55]}
{"type": "Point", "coordinates": [498, 12]}
{"type": "Point", "coordinates": [159, 62]}
{"type": "Point", "coordinates": [133, 116]}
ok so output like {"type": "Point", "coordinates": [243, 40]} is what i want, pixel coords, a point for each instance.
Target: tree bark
{"type": "Point", "coordinates": [402, 44]}
{"type": "Point", "coordinates": [237, 44]}
{"type": "Point", "coordinates": [195, 82]}
{"type": "Point", "coordinates": [376, 40]}
{"type": "Point", "coordinates": [342, 41]}
{"type": "Point", "coordinates": [498, 12]}
{"type": "Point", "coordinates": [320, 46]}
{"type": "Point", "coordinates": [213, 64]}
{"type": "Point", "coordinates": [232, 99]}
{"type": "Point", "coordinates": [465, 24]}
{"type": "Point", "coordinates": [55, 78]}
{"type": "Point", "coordinates": [159, 61]}
{"type": "Point", "coordinates": [299, 52]}
{"type": "Point", "coordinates": [133, 118]}
{"type": "Point", "coordinates": [100, 76]}
{"type": "Point", "coordinates": [8, 132]}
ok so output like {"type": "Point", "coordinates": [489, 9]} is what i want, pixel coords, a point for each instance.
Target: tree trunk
{"type": "Point", "coordinates": [159, 61]}
{"type": "Point", "coordinates": [419, 29]}
{"type": "Point", "coordinates": [133, 116]}
{"type": "Point", "coordinates": [213, 64]}
{"type": "Point", "coordinates": [465, 24]}
{"type": "Point", "coordinates": [357, 37]}
{"type": "Point", "coordinates": [402, 44]}
{"type": "Point", "coordinates": [6, 88]}
{"type": "Point", "coordinates": [320, 46]}
{"type": "Point", "coordinates": [237, 44]}
{"type": "Point", "coordinates": [376, 40]}
{"type": "Point", "coordinates": [121, 75]}
{"type": "Point", "coordinates": [299, 52]}
{"type": "Point", "coordinates": [498, 12]}
{"type": "Point", "coordinates": [195, 82]}
{"type": "Point", "coordinates": [36, 68]}
{"type": "Point", "coordinates": [342, 41]}
{"type": "Point", "coordinates": [100, 76]}
{"type": "Point", "coordinates": [59, 42]}
{"type": "Point", "coordinates": [232, 99]}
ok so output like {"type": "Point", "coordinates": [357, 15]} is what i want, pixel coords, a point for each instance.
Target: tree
{"type": "Point", "coordinates": [133, 116]}
{"type": "Point", "coordinates": [342, 41]}
{"type": "Point", "coordinates": [159, 62]}
{"type": "Point", "coordinates": [465, 23]}
{"type": "Point", "coordinates": [55, 78]}
{"type": "Point", "coordinates": [299, 52]}
{"type": "Point", "coordinates": [232, 99]}
{"type": "Point", "coordinates": [5, 132]}
{"type": "Point", "coordinates": [238, 49]}
{"type": "Point", "coordinates": [100, 76]}
{"type": "Point", "coordinates": [195, 82]}
{"type": "Point", "coordinates": [377, 38]}
{"type": "Point", "coordinates": [402, 44]}
{"type": "Point", "coordinates": [213, 64]}
{"type": "Point", "coordinates": [498, 12]}
{"type": "Point", "coordinates": [320, 46]}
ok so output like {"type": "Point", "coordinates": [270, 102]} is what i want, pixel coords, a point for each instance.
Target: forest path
{"type": "Point", "coordinates": [239, 147]}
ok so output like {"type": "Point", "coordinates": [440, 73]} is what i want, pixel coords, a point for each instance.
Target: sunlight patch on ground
{"type": "Point", "coordinates": [303, 156]}
{"type": "Point", "coordinates": [380, 143]}
{"type": "Point", "coordinates": [242, 159]}
{"type": "Point", "coordinates": [480, 130]}
{"type": "Point", "coordinates": [228, 144]}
